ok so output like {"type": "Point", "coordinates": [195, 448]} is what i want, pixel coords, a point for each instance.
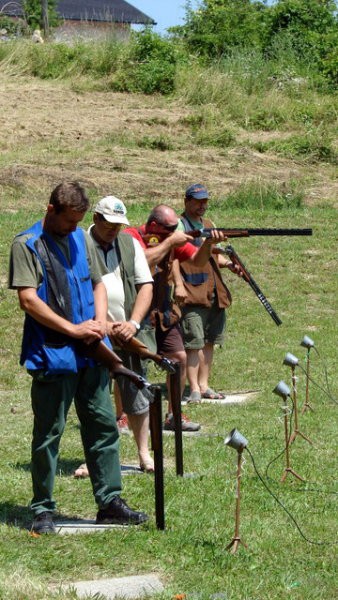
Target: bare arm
{"type": "Point", "coordinates": [180, 293]}
{"type": "Point", "coordinates": [205, 250]}
{"type": "Point", "coordinates": [225, 262]}
{"type": "Point", "coordinates": [101, 306]}
{"type": "Point", "coordinates": [31, 303]}
{"type": "Point", "coordinates": [154, 254]}
{"type": "Point", "coordinates": [142, 302]}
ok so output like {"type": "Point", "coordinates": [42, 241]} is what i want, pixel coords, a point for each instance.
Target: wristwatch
{"type": "Point", "coordinates": [136, 324]}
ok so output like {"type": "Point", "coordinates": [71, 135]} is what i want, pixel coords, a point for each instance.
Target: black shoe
{"type": "Point", "coordinates": [43, 523]}
{"type": "Point", "coordinates": [119, 513]}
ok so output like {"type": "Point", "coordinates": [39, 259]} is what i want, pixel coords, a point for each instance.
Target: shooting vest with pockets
{"type": "Point", "coordinates": [67, 289]}
{"type": "Point", "coordinates": [125, 251]}
{"type": "Point", "coordinates": [203, 283]}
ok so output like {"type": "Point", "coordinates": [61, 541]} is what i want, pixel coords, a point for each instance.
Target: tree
{"type": "Point", "coordinates": [218, 26]}
{"type": "Point", "coordinates": [310, 28]}
{"type": "Point", "coordinates": [33, 10]}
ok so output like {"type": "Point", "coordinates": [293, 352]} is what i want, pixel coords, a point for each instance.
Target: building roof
{"type": "Point", "coordinates": [114, 11]}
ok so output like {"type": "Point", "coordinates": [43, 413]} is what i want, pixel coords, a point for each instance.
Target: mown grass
{"type": "Point", "coordinates": [221, 107]}
{"type": "Point", "coordinates": [244, 91]}
{"type": "Point", "coordinates": [298, 277]}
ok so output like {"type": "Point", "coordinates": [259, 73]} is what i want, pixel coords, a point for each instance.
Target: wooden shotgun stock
{"type": "Point", "coordinates": [102, 354]}
{"type": "Point", "coordinates": [135, 345]}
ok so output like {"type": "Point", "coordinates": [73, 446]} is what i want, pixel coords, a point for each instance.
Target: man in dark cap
{"type": "Point", "coordinates": [205, 300]}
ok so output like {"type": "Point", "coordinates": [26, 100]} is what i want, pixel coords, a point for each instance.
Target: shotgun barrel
{"type": "Point", "coordinates": [229, 250]}
{"type": "Point", "coordinates": [235, 233]}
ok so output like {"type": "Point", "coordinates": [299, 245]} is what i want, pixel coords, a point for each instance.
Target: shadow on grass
{"type": "Point", "coordinates": [15, 514]}
{"type": "Point", "coordinates": [65, 467]}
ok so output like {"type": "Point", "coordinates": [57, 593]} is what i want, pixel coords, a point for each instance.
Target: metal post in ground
{"type": "Point", "coordinates": [155, 418]}
{"type": "Point", "coordinates": [175, 397]}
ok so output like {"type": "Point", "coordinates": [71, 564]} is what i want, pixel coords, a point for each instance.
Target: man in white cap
{"type": "Point", "coordinates": [129, 285]}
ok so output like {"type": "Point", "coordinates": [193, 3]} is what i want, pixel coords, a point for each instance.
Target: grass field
{"type": "Point", "coordinates": [95, 137]}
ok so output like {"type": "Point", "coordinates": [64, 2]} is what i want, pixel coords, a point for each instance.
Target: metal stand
{"type": "Point", "coordinates": [175, 396]}
{"type": "Point", "coordinates": [288, 469]}
{"type": "Point", "coordinates": [155, 418]}
{"type": "Point", "coordinates": [296, 430]}
{"type": "Point", "coordinates": [307, 405]}
{"type": "Point", "coordinates": [236, 540]}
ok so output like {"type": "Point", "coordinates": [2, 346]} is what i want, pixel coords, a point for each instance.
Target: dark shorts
{"type": "Point", "coordinates": [169, 341]}
{"type": "Point", "coordinates": [202, 325]}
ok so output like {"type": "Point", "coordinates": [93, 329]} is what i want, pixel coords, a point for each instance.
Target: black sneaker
{"type": "Point", "coordinates": [119, 513]}
{"type": "Point", "coordinates": [169, 424]}
{"type": "Point", "coordinates": [43, 523]}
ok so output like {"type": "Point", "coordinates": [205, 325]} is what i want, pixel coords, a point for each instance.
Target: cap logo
{"type": "Point", "coordinates": [119, 209]}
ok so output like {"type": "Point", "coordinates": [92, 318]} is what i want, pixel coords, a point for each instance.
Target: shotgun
{"type": "Point", "coordinates": [106, 357]}
{"type": "Point", "coordinates": [236, 233]}
{"type": "Point", "coordinates": [135, 345]}
{"type": "Point", "coordinates": [229, 250]}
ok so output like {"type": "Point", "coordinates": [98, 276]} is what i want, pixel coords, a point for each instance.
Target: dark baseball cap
{"type": "Point", "coordinates": [197, 191]}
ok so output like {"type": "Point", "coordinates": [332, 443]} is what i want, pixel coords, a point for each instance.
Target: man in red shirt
{"type": "Point", "coordinates": [162, 244]}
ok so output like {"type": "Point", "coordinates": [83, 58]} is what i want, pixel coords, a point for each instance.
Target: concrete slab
{"type": "Point", "coordinates": [82, 526]}
{"type": "Point", "coordinates": [131, 470]}
{"type": "Point", "coordinates": [230, 398]}
{"type": "Point", "coordinates": [136, 586]}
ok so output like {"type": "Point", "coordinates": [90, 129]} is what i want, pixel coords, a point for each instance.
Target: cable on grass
{"type": "Point", "coordinates": [321, 543]}
{"type": "Point", "coordinates": [328, 392]}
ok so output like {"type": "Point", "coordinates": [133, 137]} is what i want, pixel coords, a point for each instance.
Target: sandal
{"type": "Point", "coordinates": [194, 398]}
{"type": "Point", "coordinates": [81, 472]}
{"type": "Point", "coordinates": [147, 466]}
{"type": "Point", "coordinates": [210, 394]}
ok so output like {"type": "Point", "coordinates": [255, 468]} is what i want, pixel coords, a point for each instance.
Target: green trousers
{"type": "Point", "coordinates": [52, 396]}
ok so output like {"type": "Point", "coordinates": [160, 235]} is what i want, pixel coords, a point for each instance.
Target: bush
{"type": "Point", "coordinates": [12, 27]}
{"type": "Point", "coordinates": [149, 65]}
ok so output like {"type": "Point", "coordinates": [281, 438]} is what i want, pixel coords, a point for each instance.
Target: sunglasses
{"type": "Point", "coordinates": [169, 228]}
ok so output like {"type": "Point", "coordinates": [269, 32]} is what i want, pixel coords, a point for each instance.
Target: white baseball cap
{"type": "Point", "coordinates": [113, 210]}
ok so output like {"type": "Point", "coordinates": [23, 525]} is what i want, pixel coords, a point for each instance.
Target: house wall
{"type": "Point", "coordinates": [90, 30]}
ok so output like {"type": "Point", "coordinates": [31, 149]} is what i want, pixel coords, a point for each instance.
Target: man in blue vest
{"type": "Point", "coordinates": [53, 267]}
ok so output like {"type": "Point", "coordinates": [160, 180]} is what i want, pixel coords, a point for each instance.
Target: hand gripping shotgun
{"type": "Point", "coordinates": [106, 357]}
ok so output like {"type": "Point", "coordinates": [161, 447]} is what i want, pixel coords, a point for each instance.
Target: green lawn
{"type": "Point", "coordinates": [299, 278]}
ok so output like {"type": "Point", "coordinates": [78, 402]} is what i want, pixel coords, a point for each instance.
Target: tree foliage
{"type": "Point", "coordinates": [307, 28]}
{"type": "Point", "coordinates": [33, 13]}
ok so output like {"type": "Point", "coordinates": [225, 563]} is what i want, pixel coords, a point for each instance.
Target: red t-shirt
{"type": "Point", "coordinates": [182, 253]}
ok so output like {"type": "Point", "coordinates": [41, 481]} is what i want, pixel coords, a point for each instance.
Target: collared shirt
{"type": "Point", "coordinates": [113, 280]}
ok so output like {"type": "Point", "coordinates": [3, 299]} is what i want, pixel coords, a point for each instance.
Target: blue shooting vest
{"type": "Point", "coordinates": [67, 288]}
